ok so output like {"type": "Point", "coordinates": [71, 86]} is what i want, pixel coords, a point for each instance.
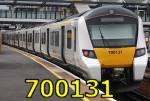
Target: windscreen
{"type": "Point", "coordinates": [112, 32]}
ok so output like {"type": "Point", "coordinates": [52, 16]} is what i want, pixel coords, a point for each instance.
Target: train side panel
{"type": "Point", "coordinates": [140, 62]}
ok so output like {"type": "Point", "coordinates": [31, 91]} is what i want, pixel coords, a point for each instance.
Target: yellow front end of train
{"type": "Point", "coordinates": [115, 57]}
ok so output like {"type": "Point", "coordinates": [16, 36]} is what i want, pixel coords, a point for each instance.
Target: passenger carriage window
{"type": "Point", "coordinates": [69, 39]}
{"type": "Point", "coordinates": [10, 37]}
{"type": "Point", "coordinates": [56, 38]}
{"type": "Point", "coordinates": [20, 37]}
{"type": "Point", "coordinates": [35, 40]}
{"type": "Point", "coordinates": [30, 37]}
{"type": "Point", "coordinates": [23, 37]}
{"type": "Point", "coordinates": [41, 38]}
{"type": "Point", "coordinates": [44, 38]}
{"type": "Point", "coordinates": [17, 37]}
{"type": "Point", "coordinates": [13, 37]}
{"type": "Point", "coordinates": [7, 37]}
{"type": "Point", "coordinates": [37, 37]}
{"type": "Point", "coordinates": [52, 38]}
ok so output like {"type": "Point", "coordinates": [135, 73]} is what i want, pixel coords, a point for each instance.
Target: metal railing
{"type": "Point", "coordinates": [29, 14]}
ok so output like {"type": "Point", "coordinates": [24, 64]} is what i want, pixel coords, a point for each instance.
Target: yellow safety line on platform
{"type": "Point", "coordinates": [46, 67]}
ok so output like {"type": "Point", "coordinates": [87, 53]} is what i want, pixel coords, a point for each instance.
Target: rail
{"type": "Point", "coordinates": [131, 96]}
{"type": "Point", "coordinates": [136, 96]}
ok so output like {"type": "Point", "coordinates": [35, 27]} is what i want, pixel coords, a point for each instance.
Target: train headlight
{"type": "Point", "coordinates": [89, 53]}
{"type": "Point", "coordinates": [140, 52]}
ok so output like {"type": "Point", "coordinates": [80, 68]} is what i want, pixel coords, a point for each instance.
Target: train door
{"type": "Point", "coordinates": [69, 44]}
{"type": "Point", "coordinates": [24, 39]}
{"type": "Point", "coordinates": [55, 43]}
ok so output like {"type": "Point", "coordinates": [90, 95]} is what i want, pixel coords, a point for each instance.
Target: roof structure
{"type": "Point", "coordinates": [65, 2]}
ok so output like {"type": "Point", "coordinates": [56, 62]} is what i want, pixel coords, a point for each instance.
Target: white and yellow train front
{"type": "Point", "coordinates": [112, 45]}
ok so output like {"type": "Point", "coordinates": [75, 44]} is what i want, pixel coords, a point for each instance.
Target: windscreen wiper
{"type": "Point", "coordinates": [102, 36]}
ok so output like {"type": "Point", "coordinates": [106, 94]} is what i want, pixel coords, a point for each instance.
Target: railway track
{"type": "Point", "coordinates": [131, 96]}
{"type": "Point", "coordinates": [148, 70]}
{"type": "Point", "coordinates": [147, 77]}
{"type": "Point", "coordinates": [136, 96]}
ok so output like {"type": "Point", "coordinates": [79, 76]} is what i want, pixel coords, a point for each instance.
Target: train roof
{"type": "Point", "coordinates": [109, 10]}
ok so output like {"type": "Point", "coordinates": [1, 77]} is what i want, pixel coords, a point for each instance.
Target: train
{"type": "Point", "coordinates": [105, 43]}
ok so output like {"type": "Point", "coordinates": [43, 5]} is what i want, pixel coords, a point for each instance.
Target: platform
{"type": "Point", "coordinates": [16, 66]}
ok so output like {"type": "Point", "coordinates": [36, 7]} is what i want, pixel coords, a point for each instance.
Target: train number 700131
{"type": "Point", "coordinates": [48, 88]}
{"type": "Point", "coordinates": [115, 52]}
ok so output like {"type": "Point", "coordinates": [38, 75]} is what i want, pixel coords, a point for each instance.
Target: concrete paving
{"type": "Point", "coordinates": [14, 69]}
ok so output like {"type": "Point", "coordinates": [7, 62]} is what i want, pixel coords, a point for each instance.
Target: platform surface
{"type": "Point", "coordinates": [14, 69]}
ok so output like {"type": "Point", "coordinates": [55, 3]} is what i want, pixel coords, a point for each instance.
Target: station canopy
{"type": "Point", "coordinates": [63, 2]}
